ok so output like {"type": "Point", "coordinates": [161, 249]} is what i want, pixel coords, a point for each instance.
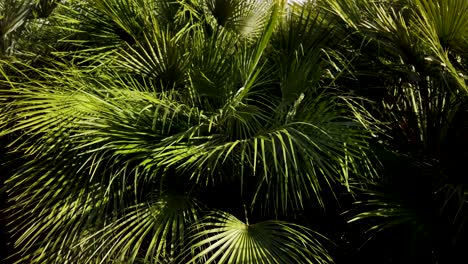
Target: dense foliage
{"type": "Point", "coordinates": [234, 131]}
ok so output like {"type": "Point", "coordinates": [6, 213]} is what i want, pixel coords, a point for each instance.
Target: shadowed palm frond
{"type": "Point", "coordinates": [13, 17]}
{"type": "Point", "coordinates": [297, 48]}
{"type": "Point", "coordinates": [389, 211]}
{"type": "Point", "coordinates": [98, 28]}
{"type": "Point", "coordinates": [244, 17]}
{"type": "Point", "coordinates": [412, 32]}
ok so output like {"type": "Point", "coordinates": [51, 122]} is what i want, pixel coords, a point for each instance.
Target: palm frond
{"type": "Point", "coordinates": [157, 57]}
{"type": "Point", "coordinates": [297, 48]}
{"type": "Point", "coordinates": [449, 19]}
{"type": "Point", "coordinates": [100, 27]}
{"type": "Point", "coordinates": [247, 18]}
{"type": "Point", "coordinates": [439, 35]}
{"type": "Point", "coordinates": [13, 16]}
{"type": "Point", "coordinates": [155, 230]}
{"type": "Point", "coordinates": [70, 151]}
{"type": "Point", "coordinates": [222, 238]}
{"type": "Point", "coordinates": [388, 212]}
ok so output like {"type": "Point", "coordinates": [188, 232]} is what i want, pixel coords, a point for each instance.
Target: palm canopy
{"type": "Point", "coordinates": [122, 142]}
{"type": "Point", "coordinates": [152, 127]}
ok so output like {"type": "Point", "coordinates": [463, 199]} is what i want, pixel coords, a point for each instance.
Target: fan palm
{"type": "Point", "coordinates": [213, 131]}
{"type": "Point", "coordinates": [163, 112]}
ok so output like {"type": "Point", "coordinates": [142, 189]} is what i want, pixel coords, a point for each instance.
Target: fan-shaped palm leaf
{"type": "Point", "coordinates": [155, 230]}
{"type": "Point", "coordinates": [245, 17]}
{"type": "Point", "coordinates": [222, 238]}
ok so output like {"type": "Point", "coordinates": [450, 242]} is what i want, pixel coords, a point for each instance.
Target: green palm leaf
{"type": "Point", "coordinates": [155, 230]}
{"type": "Point", "coordinates": [13, 16]}
{"type": "Point", "coordinates": [222, 238]}
{"type": "Point", "coordinates": [443, 25]}
{"type": "Point", "coordinates": [244, 17]}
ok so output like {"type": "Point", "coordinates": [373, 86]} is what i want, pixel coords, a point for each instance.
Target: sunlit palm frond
{"type": "Point", "coordinates": [45, 226]}
{"type": "Point", "coordinates": [443, 25]}
{"type": "Point", "coordinates": [308, 150]}
{"type": "Point", "coordinates": [449, 19]}
{"type": "Point", "coordinates": [155, 230]}
{"type": "Point", "coordinates": [91, 150]}
{"type": "Point", "coordinates": [347, 10]}
{"type": "Point", "coordinates": [222, 238]}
